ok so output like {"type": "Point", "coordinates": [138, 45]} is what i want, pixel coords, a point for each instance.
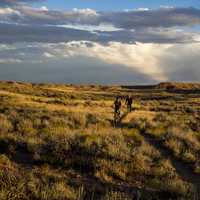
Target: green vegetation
{"type": "Point", "coordinates": [57, 142]}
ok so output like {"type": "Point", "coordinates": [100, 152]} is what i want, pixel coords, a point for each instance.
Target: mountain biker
{"type": "Point", "coordinates": [126, 100]}
{"type": "Point", "coordinates": [129, 102]}
{"type": "Point", "coordinates": [117, 105]}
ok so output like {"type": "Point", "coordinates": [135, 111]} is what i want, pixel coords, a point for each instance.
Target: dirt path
{"type": "Point", "coordinates": [182, 168]}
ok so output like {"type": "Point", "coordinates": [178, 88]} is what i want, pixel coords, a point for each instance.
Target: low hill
{"type": "Point", "coordinates": [178, 86]}
{"type": "Point", "coordinates": [166, 86]}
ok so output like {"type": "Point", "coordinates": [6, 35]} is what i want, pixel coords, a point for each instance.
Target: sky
{"type": "Point", "coordinates": [100, 41]}
{"type": "Point", "coordinates": [111, 5]}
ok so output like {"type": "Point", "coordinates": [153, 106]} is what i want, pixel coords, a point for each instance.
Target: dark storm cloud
{"type": "Point", "coordinates": [154, 18]}
{"type": "Point", "coordinates": [77, 71]}
{"type": "Point", "coordinates": [148, 35]}
{"type": "Point", "coordinates": [10, 33]}
{"type": "Point", "coordinates": [24, 23]}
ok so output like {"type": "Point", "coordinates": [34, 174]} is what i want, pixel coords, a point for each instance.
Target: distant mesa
{"type": "Point", "coordinates": [178, 86]}
{"type": "Point", "coordinates": [170, 86]}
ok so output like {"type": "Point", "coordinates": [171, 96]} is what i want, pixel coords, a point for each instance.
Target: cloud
{"type": "Point", "coordinates": [151, 26]}
{"type": "Point", "coordinates": [5, 47]}
{"type": "Point", "coordinates": [158, 62]}
{"type": "Point", "coordinates": [128, 55]}
{"type": "Point", "coordinates": [28, 24]}
{"type": "Point", "coordinates": [85, 12]}
{"type": "Point", "coordinates": [12, 33]}
{"type": "Point", "coordinates": [15, 2]}
{"type": "Point", "coordinates": [163, 17]}
{"type": "Point", "coordinates": [158, 45]}
{"type": "Point", "coordinates": [10, 61]}
{"type": "Point", "coordinates": [48, 55]}
{"type": "Point", "coordinates": [72, 70]}
{"type": "Point", "coordinates": [8, 12]}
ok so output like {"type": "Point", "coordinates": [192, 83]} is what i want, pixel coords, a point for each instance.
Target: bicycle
{"type": "Point", "coordinates": [129, 108]}
{"type": "Point", "coordinates": [116, 118]}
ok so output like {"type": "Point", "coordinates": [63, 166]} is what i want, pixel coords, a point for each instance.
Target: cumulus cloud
{"type": "Point", "coordinates": [142, 25]}
{"type": "Point", "coordinates": [8, 12]}
{"type": "Point", "coordinates": [123, 54]}
{"type": "Point", "coordinates": [159, 62]}
{"type": "Point", "coordinates": [157, 44]}
{"type": "Point", "coordinates": [127, 55]}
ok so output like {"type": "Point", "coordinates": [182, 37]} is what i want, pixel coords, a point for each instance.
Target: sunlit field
{"type": "Point", "coordinates": [58, 142]}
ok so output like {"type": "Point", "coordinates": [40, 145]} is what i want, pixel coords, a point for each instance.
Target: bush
{"type": "Point", "coordinates": [5, 124]}
{"type": "Point", "coordinates": [25, 127]}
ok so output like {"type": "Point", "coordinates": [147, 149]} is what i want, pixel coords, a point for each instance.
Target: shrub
{"type": "Point", "coordinates": [5, 162]}
{"type": "Point", "coordinates": [112, 195]}
{"type": "Point", "coordinates": [25, 127]}
{"type": "Point", "coordinates": [5, 124]}
{"type": "Point", "coordinates": [157, 130]}
{"type": "Point", "coordinates": [189, 156]}
{"type": "Point", "coordinates": [175, 145]}
{"type": "Point", "coordinates": [134, 135]}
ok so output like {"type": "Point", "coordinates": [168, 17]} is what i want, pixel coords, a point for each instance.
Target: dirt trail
{"type": "Point", "coordinates": [182, 168]}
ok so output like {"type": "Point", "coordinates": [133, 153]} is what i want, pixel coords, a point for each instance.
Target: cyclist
{"type": "Point", "coordinates": [117, 107]}
{"type": "Point", "coordinates": [126, 101]}
{"type": "Point", "coordinates": [129, 102]}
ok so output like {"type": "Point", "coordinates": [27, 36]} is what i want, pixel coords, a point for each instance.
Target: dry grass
{"type": "Point", "coordinates": [57, 142]}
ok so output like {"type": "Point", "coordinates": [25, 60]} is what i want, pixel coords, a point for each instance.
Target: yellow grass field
{"type": "Point", "coordinates": [58, 142]}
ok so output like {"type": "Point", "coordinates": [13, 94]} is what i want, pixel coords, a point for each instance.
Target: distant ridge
{"type": "Point", "coordinates": [178, 86]}
{"type": "Point", "coordinates": [167, 86]}
{"type": "Point", "coordinates": [160, 86]}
